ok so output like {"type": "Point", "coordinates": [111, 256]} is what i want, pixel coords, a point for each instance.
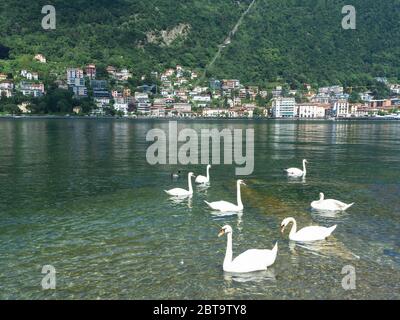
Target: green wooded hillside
{"type": "Point", "coordinates": [293, 40]}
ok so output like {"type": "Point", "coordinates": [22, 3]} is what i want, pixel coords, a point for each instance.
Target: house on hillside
{"type": "Point", "coordinates": [29, 75]}
{"type": "Point", "coordinates": [90, 71]}
{"type": "Point", "coordinates": [31, 89]}
{"type": "Point", "coordinates": [230, 84]}
{"type": "Point", "coordinates": [123, 75]}
{"type": "Point", "coordinates": [6, 89]}
{"type": "Point", "coordinates": [41, 58]}
{"type": "Point", "coordinates": [111, 71]}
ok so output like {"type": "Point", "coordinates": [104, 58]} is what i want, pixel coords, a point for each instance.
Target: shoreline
{"type": "Point", "coordinates": [59, 117]}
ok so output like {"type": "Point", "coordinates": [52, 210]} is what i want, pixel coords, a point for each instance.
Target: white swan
{"type": "Point", "coordinates": [329, 204]}
{"type": "Point", "coordinates": [312, 233]}
{"type": "Point", "coordinates": [225, 206]}
{"type": "Point", "coordinates": [203, 179]}
{"type": "Point", "coordinates": [295, 172]}
{"type": "Point", "coordinates": [179, 192]}
{"type": "Point", "coordinates": [250, 260]}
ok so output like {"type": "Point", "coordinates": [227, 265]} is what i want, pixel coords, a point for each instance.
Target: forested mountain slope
{"type": "Point", "coordinates": [296, 40]}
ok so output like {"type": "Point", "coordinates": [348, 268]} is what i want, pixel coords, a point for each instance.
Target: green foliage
{"type": "Point", "coordinates": [10, 108]}
{"type": "Point", "coordinates": [258, 112]}
{"type": "Point", "coordinates": [303, 41]}
{"type": "Point", "coordinates": [354, 97]}
{"type": "Point", "coordinates": [293, 41]}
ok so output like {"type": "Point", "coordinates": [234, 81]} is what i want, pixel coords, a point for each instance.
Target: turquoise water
{"type": "Point", "coordinates": [79, 195]}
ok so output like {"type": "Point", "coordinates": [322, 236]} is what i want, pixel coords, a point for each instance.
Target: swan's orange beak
{"type": "Point", "coordinates": [282, 229]}
{"type": "Point", "coordinates": [221, 233]}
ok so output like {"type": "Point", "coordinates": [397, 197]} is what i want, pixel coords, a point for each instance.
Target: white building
{"type": "Point", "coordinates": [331, 90]}
{"type": "Point", "coordinates": [311, 110]}
{"type": "Point", "coordinates": [6, 89]}
{"type": "Point", "coordinates": [321, 98]}
{"type": "Point", "coordinates": [395, 88]}
{"type": "Point", "coordinates": [123, 75]}
{"type": "Point", "coordinates": [140, 95]}
{"type": "Point", "coordinates": [182, 107]}
{"type": "Point", "coordinates": [6, 93]}
{"type": "Point", "coordinates": [157, 111]}
{"type": "Point", "coordinates": [75, 77]}
{"type": "Point", "coordinates": [366, 96]}
{"type": "Point", "coordinates": [31, 89]}
{"type": "Point", "coordinates": [102, 101]}
{"type": "Point", "coordinates": [340, 108]}
{"type": "Point", "coordinates": [277, 92]}
{"type": "Point", "coordinates": [202, 101]}
{"type": "Point", "coordinates": [123, 107]}
{"type": "Point", "coordinates": [41, 58]}
{"type": "Point", "coordinates": [80, 91]}
{"type": "Point", "coordinates": [29, 75]}
{"type": "Point", "coordinates": [142, 103]}
{"type": "Point", "coordinates": [7, 85]}
{"type": "Point", "coordinates": [230, 84]}
{"type": "Point", "coordinates": [202, 98]}
{"type": "Point", "coordinates": [214, 112]}
{"type": "Point", "coordinates": [284, 108]}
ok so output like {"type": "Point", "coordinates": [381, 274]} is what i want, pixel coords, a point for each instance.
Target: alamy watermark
{"type": "Point", "coordinates": [49, 280]}
{"type": "Point", "coordinates": [349, 280]}
{"type": "Point", "coordinates": [188, 152]}
{"type": "Point", "coordinates": [49, 20]}
{"type": "Point", "coordinates": [349, 20]}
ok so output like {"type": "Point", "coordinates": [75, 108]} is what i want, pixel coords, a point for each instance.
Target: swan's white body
{"type": "Point", "coordinates": [204, 179]}
{"type": "Point", "coordinates": [225, 206]}
{"type": "Point", "coordinates": [296, 172]}
{"type": "Point", "coordinates": [179, 192]}
{"type": "Point", "coordinates": [250, 260]}
{"type": "Point", "coordinates": [313, 233]}
{"type": "Point", "coordinates": [330, 204]}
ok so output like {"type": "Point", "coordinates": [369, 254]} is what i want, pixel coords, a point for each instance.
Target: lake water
{"type": "Point", "coordinates": [80, 196]}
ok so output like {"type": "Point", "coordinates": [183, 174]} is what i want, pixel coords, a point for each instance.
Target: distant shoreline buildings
{"type": "Point", "coordinates": [176, 92]}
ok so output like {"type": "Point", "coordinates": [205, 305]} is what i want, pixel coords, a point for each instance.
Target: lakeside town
{"type": "Point", "coordinates": [182, 93]}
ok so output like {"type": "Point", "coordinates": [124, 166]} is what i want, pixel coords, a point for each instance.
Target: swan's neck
{"type": "Point", "coordinates": [190, 184]}
{"type": "Point", "coordinates": [239, 196]}
{"type": "Point", "coordinates": [228, 254]}
{"type": "Point", "coordinates": [208, 173]}
{"type": "Point", "coordinates": [294, 228]}
{"type": "Point", "coordinates": [304, 168]}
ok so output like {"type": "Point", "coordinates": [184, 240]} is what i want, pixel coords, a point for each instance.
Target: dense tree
{"type": "Point", "coordinates": [293, 41]}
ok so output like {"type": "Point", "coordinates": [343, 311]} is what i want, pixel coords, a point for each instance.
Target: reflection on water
{"type": "Point", "coordinates": [203, 188]}
{"type": "Point", "coordinates": [328, 214]}
{"type": "Point", "coordinates": [325, 248]}
{"type": "Point", "coordinates": [179, 200]}
{"type": "Point", "coordinates": [79, 195]}
{"type": "Point", "coordinates": [267, 276]}
{"type": "Point", "coordinates": [296, 179]}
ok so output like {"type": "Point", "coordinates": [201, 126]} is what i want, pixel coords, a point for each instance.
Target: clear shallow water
{"type": "Point", "coordinates": [79, 195]}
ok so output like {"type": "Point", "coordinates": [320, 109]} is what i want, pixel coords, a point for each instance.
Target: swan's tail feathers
{"type": "Point", "coordinates": [166, 191]}
{"type": "Point", "coordinates": [209, 204]}
{"type": "Point", "coordinates": [275, 248]}
{"type": "Point", "coordinates": [331, 229]}
{"type": "Point", "coordinates": [274, 253]}
{"type": "Point", "coordinates": [348, 206]}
